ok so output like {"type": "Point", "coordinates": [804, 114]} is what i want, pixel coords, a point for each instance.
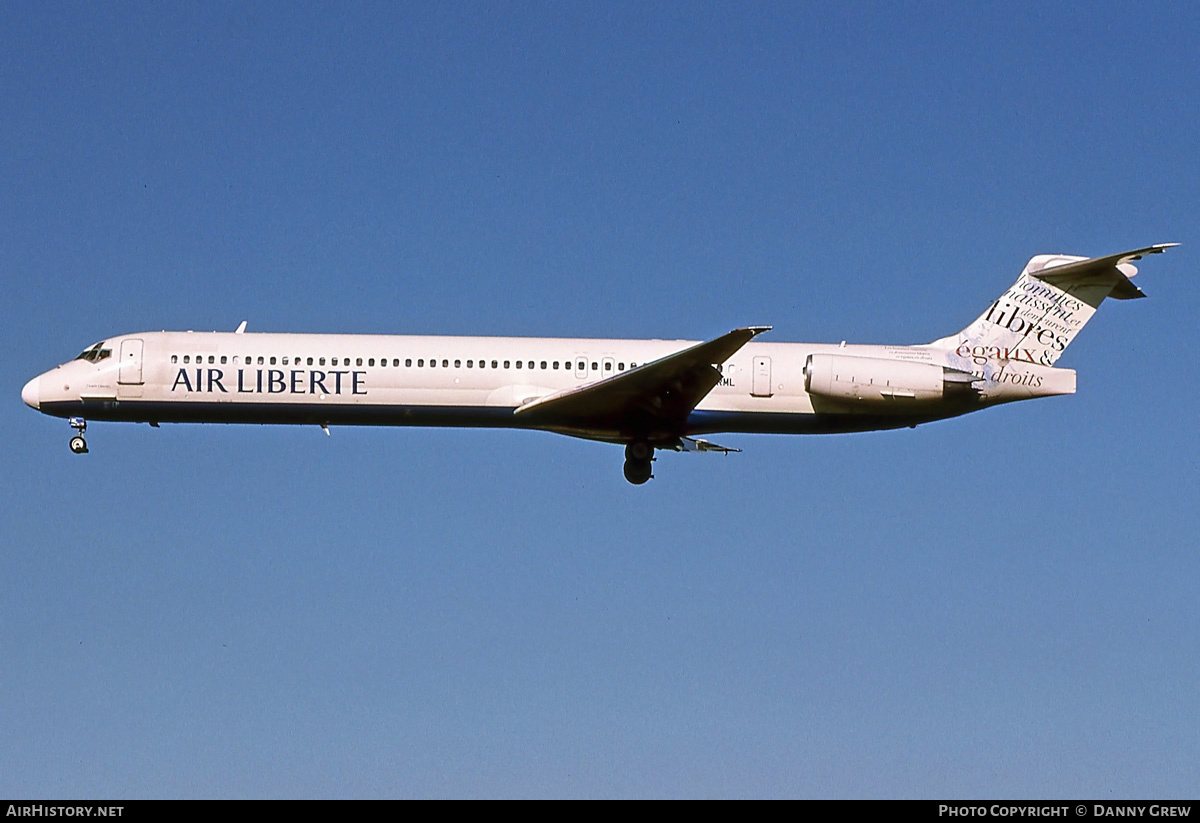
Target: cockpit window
{"type": "Point", "coordinates": [95, 354]}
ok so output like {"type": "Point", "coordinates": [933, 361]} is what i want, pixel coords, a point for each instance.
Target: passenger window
{"type": "Point", "coordinates": [358, 362]}
{"type": "Point", "coordinates": [187, 358]}
{"type": "Point", "coordinates": [223, 359]}
{"type": "Point", "coordinates": [260, 360]}
{"type": "Point", "coordinates": [272, 361]}
{"type": "Point", "coordinates": [421, 363]}
{"type": "Point", "coordinates": [595, 366]}
{"type": "Point", "coordinates": [554, 365]}
{"type": "Point", "coordinates": [310, 361]}
{"type": "Point", "coordinates": [506, 364]}
{"type": "Point", "coordinates": [608, 365]}
{"type": "Point", "coordinates": [543, 365]}
{"type": "Point", "coordinates": [518, 364]}
{"type": "Point", "coordinates": [494, 366]}
{"type": "Point", "coordinates": [371, 362]}
{"type": "Point", "coordinates": [458, 364]}
{"type": "Point", "coordinates": [433, 364]}
{"type": "Point", "coordinates": [408, 362]}
{"type": "Point", "coordinates": [470, 364]}
{"type": "Point", "coordinates": [620, 367]}
{"type": "Point", "coordinates": [445, 364]}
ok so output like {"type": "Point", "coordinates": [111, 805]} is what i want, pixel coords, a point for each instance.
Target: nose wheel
{"type": "Point", "coordinates": [78, 444]}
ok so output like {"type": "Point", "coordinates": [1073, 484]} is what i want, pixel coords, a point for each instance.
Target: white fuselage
{"type": "Point", "coordinates": [474, 381]}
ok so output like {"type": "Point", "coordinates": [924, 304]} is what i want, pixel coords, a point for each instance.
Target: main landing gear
{"type": "Point", "coordinates": [78, 444]}
{"type": "Point", "coordinates": [639, 456]}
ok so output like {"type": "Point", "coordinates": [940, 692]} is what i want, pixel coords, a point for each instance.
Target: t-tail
{"type": "Point", "coordinates": [1038, 316]}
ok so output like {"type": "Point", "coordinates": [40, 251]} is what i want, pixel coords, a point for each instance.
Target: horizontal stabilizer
{"type": "Point", "coordinates": [1114, 267]}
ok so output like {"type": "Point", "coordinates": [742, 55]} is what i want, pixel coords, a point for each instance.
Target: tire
{"type": "Point", "coordinates": [638, 472]}
{"type": "Point", "coordinates": [639, 451]}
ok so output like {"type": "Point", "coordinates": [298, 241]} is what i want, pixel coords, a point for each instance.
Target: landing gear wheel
{"type": "Point", "coordinates": [638, 472]}
{"type": "Point", "coordinates": [639, 451]}
{"type": "Point", "coordinates": [78, 444]}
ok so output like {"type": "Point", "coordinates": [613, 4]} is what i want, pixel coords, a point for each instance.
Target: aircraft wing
{"type": "Point", "coordinates": [657, 395]}
{"type": "Point", "coordinates": [1115, 266]}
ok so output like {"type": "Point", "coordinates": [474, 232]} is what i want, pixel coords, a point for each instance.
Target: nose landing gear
{"type": "Point", "coordinates": [78, 444]}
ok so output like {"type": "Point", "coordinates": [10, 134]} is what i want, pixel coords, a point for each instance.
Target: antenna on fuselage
{"type": "Point", "coordinates": [241, 328]}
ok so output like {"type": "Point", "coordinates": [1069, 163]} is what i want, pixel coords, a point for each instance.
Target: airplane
{"type": "Point", "coordinates": [647, 395]}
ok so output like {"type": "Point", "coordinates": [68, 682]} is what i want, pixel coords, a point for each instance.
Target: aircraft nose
{"type": "Point", "coordinates": [32, 393]}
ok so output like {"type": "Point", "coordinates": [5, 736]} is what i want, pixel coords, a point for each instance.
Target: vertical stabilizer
{"type": "Point", "coordinates": [1039, 315]}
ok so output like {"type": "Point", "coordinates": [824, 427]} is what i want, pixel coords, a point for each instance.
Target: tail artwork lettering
{"type": "Point", "coordinates": [1037, 317]}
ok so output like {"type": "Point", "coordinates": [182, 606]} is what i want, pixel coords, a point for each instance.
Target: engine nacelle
{"type": "Point", "coordinates": [869, 380]}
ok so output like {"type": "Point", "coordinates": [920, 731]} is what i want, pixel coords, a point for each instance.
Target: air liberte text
{"type": "Point", "coordinates": [272, 381]}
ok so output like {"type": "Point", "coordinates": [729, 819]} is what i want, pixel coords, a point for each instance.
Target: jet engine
{"type": "Point", "coordinates": [878, 382]}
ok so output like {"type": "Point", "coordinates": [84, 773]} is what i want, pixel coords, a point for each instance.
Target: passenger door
{"type": "Point", "coordinates": [131, 362]}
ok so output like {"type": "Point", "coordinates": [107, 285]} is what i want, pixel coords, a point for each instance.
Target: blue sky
{"type": "Point", "coordinates": [1001, 605]}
